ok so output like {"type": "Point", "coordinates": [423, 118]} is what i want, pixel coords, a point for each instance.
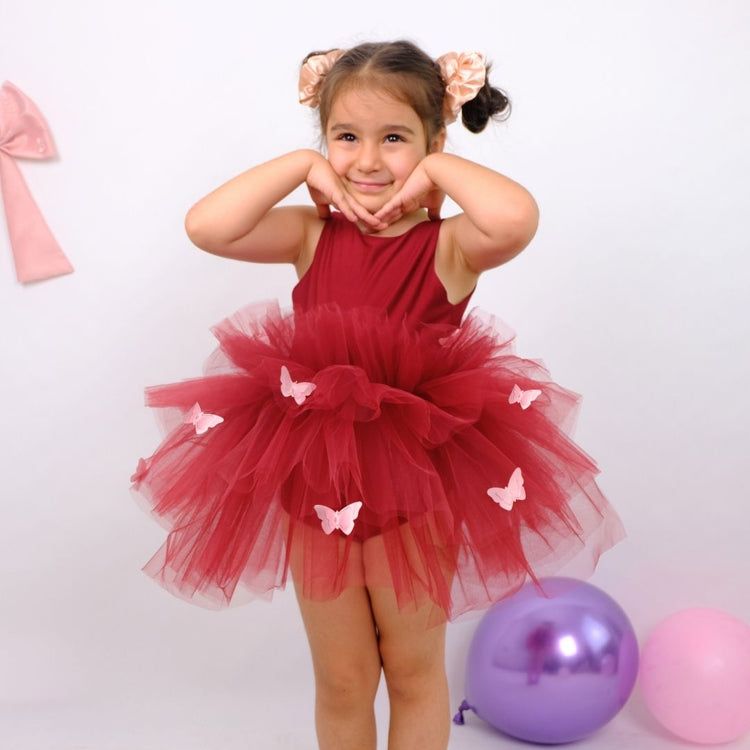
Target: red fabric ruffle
{"type": "Point", "coordinates": [413, 422]}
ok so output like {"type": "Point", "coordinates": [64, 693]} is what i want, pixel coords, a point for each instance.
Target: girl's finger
{"type": "Point", "coordinates": [341, 201]}
{"type": "Point", "coordinates": [324, 210]}
{"type": "Point", "coordinates": [434, 203]}
{"type": "Point", "coordinates": [391, 211]}
{"type": "Point", "coordinates": [363, 215]}
{"type": "Point", "coordinates": [388, 208]}
{"type": "Point", "coordinates": [320, 202]}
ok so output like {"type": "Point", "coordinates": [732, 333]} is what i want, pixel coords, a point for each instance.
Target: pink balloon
{"type": "Point", "coordinates": [695, 675]}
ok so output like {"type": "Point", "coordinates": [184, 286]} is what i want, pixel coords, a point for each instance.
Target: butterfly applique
{"type": "Point", "coordinates": [524, 398]}
{"type": "Point", "coordinates": [338, 519]}
{"type": "Point", "coordinates": [291, 388]}
{"type": "Point", "coordinates": [506, 496]}
{"type": "Point", "coordinates": [200, 420]}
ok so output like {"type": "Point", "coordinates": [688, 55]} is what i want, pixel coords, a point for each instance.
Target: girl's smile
{"type": "Point", "coordinates": [369, 187]}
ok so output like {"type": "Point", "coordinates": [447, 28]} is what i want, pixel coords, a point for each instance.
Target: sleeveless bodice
{"type": "Point", "coordinates": [396, 274]}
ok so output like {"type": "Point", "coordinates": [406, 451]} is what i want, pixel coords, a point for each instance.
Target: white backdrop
{"type": "Point", "coordinates": [630, 126]}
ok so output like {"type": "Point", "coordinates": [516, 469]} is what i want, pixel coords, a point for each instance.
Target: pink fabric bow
{"type": "Point", "coordinates": [24, 134]}
{"type": "Point", "coordinates": [312, 73]}
{"type": "Point", "coordinates": [463, 74]}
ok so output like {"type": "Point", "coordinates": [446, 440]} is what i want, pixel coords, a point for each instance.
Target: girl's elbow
{"type": "Point", "coordinates": [513, 237]}
{"type": "Point", "coordinates": [198, 232]}
{"type": "Point", "coordinates": [528, 217]}
{"type": "Point", "coordinates": [193, 226]}
{"type": "Point", "coordinates": [522, 226]}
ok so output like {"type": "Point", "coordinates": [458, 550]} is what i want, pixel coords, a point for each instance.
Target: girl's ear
{"type": "Point", "coordinates": [437, 144]}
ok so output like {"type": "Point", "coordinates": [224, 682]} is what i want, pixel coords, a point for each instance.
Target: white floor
{"type": "Point", "coordinates": [245, 719]}
{"type": "Point", "coordinates": [157, 674]}
{"type": "Point", "coordinates": [144, 671]}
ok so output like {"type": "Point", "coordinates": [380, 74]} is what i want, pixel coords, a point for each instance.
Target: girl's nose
{"type": "Point", "coordinates": [368, 156]}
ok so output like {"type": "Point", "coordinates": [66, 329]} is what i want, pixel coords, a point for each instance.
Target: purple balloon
{"type": "Point", "coordinates": [551, 669]}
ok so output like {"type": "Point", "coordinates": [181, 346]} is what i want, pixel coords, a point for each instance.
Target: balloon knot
{"type": "Point", "coordinates": [459, 717]}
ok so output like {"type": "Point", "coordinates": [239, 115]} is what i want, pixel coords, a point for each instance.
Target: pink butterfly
{"type": "Point", "coordinates": [338, 519]}
{"type": "Point", "coordinates": [200, 420]}
{"type": "Point", "coordinates": [524, 398]}
{"type": "Point", "coordinates": [298, 391]}
{"type": "Point", "coordinates": [506, 496]}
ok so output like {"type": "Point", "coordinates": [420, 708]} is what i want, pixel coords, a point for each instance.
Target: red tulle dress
{"type": "Point", "coordinates": [427, 457]}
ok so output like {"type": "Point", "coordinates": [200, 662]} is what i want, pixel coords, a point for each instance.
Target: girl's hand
{"type": "Point", "coordinates": [419, 191]}
{"type": "Point", "coordinates": [326, 190]}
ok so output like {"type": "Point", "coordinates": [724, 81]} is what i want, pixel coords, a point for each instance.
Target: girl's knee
{"type": "Point", "coordinates": [347, 684]}
{"type": "Point", "coordinates": [411, 673]}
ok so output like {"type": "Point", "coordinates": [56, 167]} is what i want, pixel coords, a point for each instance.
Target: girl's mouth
{"type": "Point", "coordinates": [369, 187]}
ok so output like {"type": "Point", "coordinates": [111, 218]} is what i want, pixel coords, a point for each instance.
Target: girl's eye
{"type": "Point", "coordinates": [393, 138]}
{"type": "Point", "coordinates": [347, 137]}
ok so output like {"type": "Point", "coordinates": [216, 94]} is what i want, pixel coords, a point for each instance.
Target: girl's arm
{"type": "Point", "coordinates": [499, 216]}
{"type": "Point", "coordinates": [238, 219]}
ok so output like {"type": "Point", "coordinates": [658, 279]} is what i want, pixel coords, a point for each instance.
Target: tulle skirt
{"type": "Point", "coordinates": [357, 450]}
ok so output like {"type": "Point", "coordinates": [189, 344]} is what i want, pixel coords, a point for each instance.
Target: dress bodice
{"type": "Point", "coordinates": [397, 274]}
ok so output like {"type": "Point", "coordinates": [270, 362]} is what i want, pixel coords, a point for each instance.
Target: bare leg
{"type": "Point", "coordinates": [346, 661]}
{"type": "Point", "coordinates": [412, 649]}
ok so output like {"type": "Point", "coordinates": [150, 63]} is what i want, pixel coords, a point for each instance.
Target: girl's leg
{"type": "Point", "coordinates": [413, 655]}
{"type": "Point", "coordinates": [412, 650]}
{"type": "Point", "coordinates": [346, 663]}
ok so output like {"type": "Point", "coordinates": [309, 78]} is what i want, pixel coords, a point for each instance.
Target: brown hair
{"type": "Point", "coordinates": [405, 72]}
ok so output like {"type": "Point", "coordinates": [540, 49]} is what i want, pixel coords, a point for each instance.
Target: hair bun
{"type": "Point", "coordinates": [490, 102]}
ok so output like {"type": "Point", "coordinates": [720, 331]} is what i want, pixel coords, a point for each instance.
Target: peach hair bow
{"type": "Point", "coordinates": [464, 74]}
{"type": "Point", "coordinates": [312, 73]}
{"type": "Point", "coordinates": [24, 134]}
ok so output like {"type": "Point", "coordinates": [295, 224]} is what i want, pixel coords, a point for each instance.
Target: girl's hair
{"type": "Point", "coordinates": [409, 75]}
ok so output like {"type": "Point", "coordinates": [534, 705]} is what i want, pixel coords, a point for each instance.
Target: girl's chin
{"type": "Point", "coordinates": [370, 196]}
{"type": "Point", "coordinates": [372, 205]}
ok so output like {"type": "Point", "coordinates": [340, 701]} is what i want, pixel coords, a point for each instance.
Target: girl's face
{"type": "Point", "coordinates": [374, 143]}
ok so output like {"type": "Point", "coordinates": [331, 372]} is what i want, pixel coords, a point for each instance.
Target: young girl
{"type": "Point", "coordinates": [402, 465]}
